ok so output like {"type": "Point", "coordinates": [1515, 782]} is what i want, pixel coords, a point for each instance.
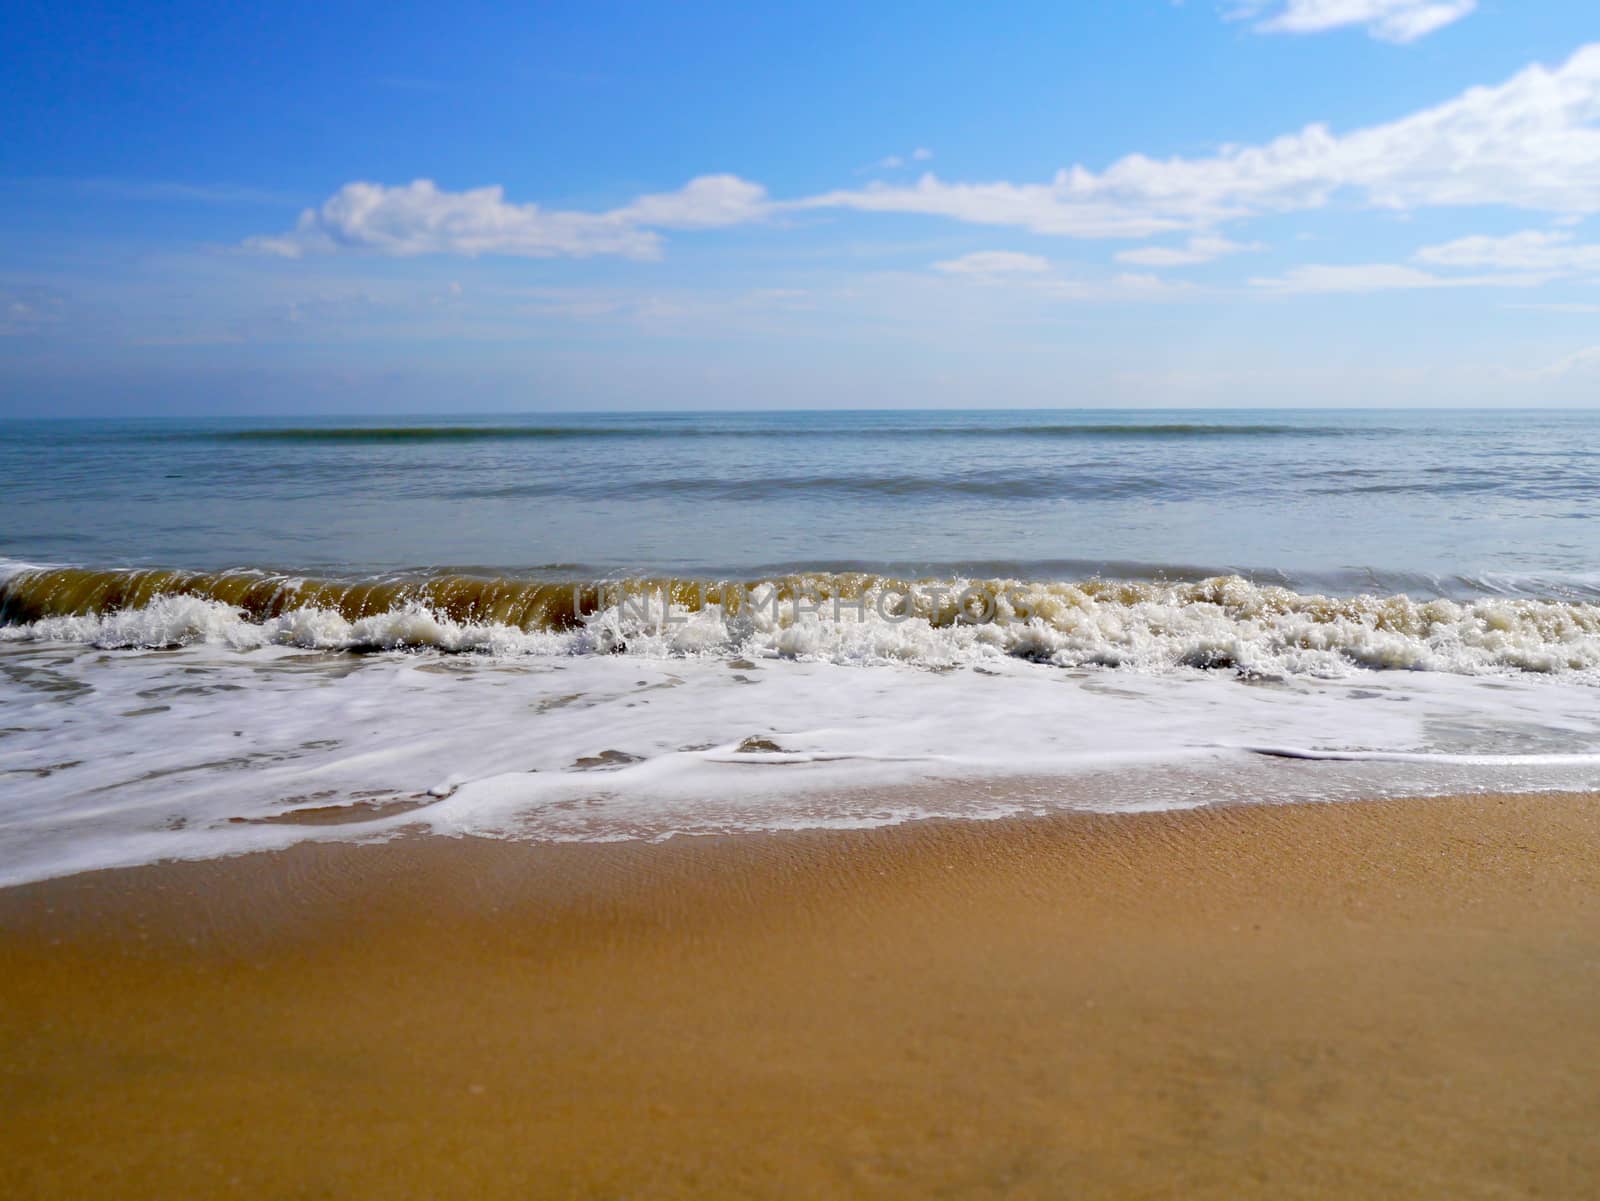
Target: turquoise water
{"type": "Point", "coordinates": [1451, 503]}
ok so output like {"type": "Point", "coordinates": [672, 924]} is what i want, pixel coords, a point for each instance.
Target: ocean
{"type": "Point", "coordinates": [224, 635]}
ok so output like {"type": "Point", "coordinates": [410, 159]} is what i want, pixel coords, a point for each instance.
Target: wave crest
{"type": "Point", "coordinates": [1226, 622]}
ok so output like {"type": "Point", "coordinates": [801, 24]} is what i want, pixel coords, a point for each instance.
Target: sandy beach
{"type": "Point", "coordinates": [1392, 999]}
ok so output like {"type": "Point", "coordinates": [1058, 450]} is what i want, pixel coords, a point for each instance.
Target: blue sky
{"type": "Point", "coordinates": [335, 207]}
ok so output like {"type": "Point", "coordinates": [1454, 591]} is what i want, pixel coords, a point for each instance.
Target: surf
{"type": "Point", "coordinates": [1227, 623]}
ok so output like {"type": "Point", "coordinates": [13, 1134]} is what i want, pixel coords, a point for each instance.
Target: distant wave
{"type": "Point", "coordinates": [1007, 485]}
{"type": "Point", "coordinates": [415, 433]}
{"type": "Point", "coordinates": [403, 434]}
{"type": "Point", "coordinates": [1221, 623]}
{"type": "Point", "coordinates": [1173, 430]}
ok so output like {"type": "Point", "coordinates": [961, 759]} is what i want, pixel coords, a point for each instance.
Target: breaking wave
{"type": "Point", "coordinates": [1226, 622]}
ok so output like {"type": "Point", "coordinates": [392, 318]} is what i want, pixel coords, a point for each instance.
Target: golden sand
{"type": "Point", "coordinates": [1376, 1000]}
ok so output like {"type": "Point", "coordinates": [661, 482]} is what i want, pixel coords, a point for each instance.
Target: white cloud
{"type": "Point", "coordinates": [1385, 277]}
{"type": "Point", "coordinates": [1387, 20]}
{"type": "Point", "coordinates": [1529, 143]}
{"type": "Point", "coordinates": [1199, 249]}
{"type": "Point", "coordinates": [421, 218]}
{"type": "Point", "coordinates": [1532, 142]}
{"type": "Point", "coordinates": [1531, 250]}
{"type": "Point", "coordinates": [990, 263]}
{"type": "Point", "coordinates": [708, 202]}
{"type": "Point", "coordinates": [1059, 207]}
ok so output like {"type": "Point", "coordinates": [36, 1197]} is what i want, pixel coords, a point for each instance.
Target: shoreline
{"type": "Point", "coordinates": [1363, 998]}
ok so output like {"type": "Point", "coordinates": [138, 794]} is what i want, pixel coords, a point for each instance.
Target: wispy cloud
{"type": "Point", "coordinates": [1582, 361]}
{"type": "Point", "coordinates": [991, 263]}
{"type": "Point", "coordinates": [1531, 250]}
{"type": "Point", "coordinates": [1125, 286]}
{"type": "Point", "coordinates": [1385, 277]}
{"type": "Point", "coordinates": [709, 202]}
{"type": "Point", "coordinates": [1200, 249]}
{"type": "Point", "coordinates": [894, 162]}
{"type": "Point", "coordinates": [1039, 277]}
{"type": "Point", "coordinates": [1522, 260]}
{"type": "Point", "coordinates": [1575, 307]}
{"type": "Point", "coordinates": [29, 310]}
{"type": "Point", "coordinates": [1399, 21]}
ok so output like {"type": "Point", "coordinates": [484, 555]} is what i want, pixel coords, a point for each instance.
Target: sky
{"type": "Point", "coordinates": [250, 209]}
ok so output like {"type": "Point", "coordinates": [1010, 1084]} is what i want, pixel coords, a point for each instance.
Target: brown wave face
{"type": "Point", "coordinates": [532, 605]}
{"type": "Point", "coordinates": [523, 604]}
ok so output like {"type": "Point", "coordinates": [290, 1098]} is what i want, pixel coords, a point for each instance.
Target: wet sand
{"type": "Point", "coordinates": [1390, 999]}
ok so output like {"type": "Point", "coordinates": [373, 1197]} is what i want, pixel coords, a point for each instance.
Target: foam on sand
{"type": "Point", "coordinates": [124, 756]}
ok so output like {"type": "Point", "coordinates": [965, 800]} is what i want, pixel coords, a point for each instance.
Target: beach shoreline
{"type": "Point", "coordinates": [1390, 998]}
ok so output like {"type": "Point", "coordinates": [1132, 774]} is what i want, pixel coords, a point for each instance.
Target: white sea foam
{"type": "Point", "coordinates": [184, 726]}
{"type": "Point", "coordinates": [1226, 622]}
{"type": "Point", "coordinates": [123, 756]}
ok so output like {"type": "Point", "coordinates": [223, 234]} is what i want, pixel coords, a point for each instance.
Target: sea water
{"type": "Point", "coordinates": [223, 635]}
